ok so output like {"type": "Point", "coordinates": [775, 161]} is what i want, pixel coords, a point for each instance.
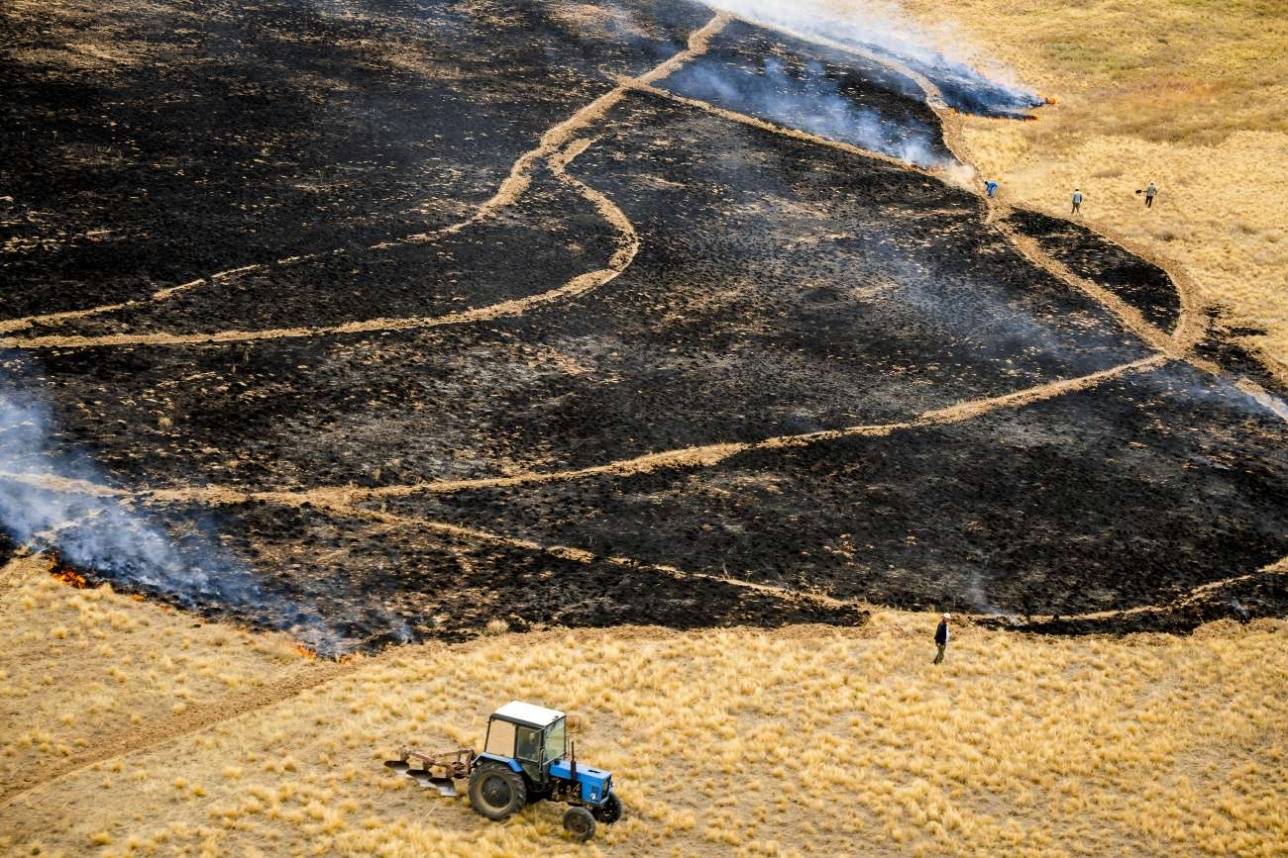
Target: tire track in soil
{"type": "Point", "coordinates": [298, 680]}
{"type": "Point", "coordinates": [557, 138]}
{"type": "Point", "coordinates": [289, 683]}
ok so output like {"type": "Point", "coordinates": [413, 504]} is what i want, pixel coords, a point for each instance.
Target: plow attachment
{"type": "Point", "coordinates": [446, 786]}
{"type": "Point", "coordinates": [439, 771]}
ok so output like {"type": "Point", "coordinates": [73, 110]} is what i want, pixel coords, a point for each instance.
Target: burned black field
{"type": "Point", "coordinates": [528, 311]}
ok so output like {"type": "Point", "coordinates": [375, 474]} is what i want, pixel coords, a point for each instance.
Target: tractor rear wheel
{"type": "Point", "coordinates": [610, 811]}
{"type": "Point", "coordinates": [579, 823]}
{"type": "Point", "coordinates": [496, 791]}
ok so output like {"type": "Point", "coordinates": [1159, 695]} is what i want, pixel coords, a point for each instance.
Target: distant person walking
{"type": "Point", "coordinates": [990, 188]}
{"type": "Point", "coordinates": [1151, 191]}
{"type": "Point", "coordinates": [941, 639]}
{"type": "Point", "coordinates": [1077, 201]}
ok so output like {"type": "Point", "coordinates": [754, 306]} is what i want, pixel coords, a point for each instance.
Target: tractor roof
{"type": "Point", "coordinates": [538, 716]}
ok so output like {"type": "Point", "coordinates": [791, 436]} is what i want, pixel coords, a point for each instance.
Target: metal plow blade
{"type": "Point", "coordinates": [445, 786]}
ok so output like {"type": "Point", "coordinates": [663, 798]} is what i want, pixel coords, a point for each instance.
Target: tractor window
{"type": "Point", "coordinates": [529, 744]}
{"type": "Point", "coordinates": [500, 738]}
{"type": "Point", "coordinates": [556, 735]}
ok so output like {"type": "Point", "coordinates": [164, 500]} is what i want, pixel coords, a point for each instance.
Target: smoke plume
{"type": "Point", "coordinates": [811, 101]}
{"type": "Point", "coordinates": [51, 499]}
{"type": "Point", "coordinates": [881, 29]}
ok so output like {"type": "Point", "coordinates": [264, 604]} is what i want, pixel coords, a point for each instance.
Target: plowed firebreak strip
{"type": "Point", "coordinates": [346, 500]}
{"type": "Point", "coordinates": [554, 141]}
{"type": "Point", "coordinates": [775, 128]}
{"type": "Point", "coordinates": [711, 454]}
{"type": "Point", "coordinates": [683, 458]}
{"type": "Point", "coordinates": [1189, 328]}
{"type": "Point", "coordinates": [286, 684]}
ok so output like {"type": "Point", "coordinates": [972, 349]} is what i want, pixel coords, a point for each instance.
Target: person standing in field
{"type": "Point", "coordinates": [1151, 191]}
{"type": "Point", "coordinates": [1077, 201]}
{"type": "Point", "coordinates": [941, 639]}
{"type": "Point", "coordinates": [990, 188]}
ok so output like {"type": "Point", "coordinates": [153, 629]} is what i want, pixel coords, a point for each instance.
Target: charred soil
{"type": "Point", "coordinates": [757, 343]}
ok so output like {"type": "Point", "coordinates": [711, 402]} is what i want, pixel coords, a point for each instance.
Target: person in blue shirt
{"type": "Point", "coordinates": [941, 639]}
{"type": "Point", "coordinates": [1150, 192]}
{"type": "Point", "coordinates": [990, 188]}
{"type": "Point", "coordinates": [1077, 201]}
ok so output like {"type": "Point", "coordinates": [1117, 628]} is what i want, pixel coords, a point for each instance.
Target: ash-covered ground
{"type": "Point", "coordinates": [469, 327]}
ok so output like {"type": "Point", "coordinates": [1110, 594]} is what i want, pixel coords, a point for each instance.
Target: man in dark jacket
{"type": "Point", "coordinates": [941, 639]}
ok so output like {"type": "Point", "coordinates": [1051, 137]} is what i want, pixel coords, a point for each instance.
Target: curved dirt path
{"type": "Point", "coordinates": [557, 147]}
{"type": "Point", "coordinates": [1278, 567]}
{"type": "Point", "coordinates": [345, 503]}
{"type": "Point", "coordinates": [707, 455]}
{"type": "Point", "coordinates": [345, 500]}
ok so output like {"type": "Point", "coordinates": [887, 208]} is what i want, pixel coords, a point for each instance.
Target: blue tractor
{"type": "Point", "coordinates": [526, 757]}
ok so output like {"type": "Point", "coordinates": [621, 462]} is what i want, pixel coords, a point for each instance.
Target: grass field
{"type": "Point", "coordinates": [1186, 93]}
{"type": "Point", "coordinates": [209, 740]}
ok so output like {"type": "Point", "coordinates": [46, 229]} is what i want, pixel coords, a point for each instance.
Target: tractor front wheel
{"type": "Point", "coordinates": [610, 811]}
{"type": "Point", "coordinates": [579, 824]}
{"type": "Point", "coordinates": [496, 791]}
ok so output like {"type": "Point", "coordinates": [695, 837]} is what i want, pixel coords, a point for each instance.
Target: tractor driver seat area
{"type": "Point", "coordinates": [527, 749]}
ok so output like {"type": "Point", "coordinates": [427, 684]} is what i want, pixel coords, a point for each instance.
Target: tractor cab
{"type": "Point", "coordinates": [531, 736]}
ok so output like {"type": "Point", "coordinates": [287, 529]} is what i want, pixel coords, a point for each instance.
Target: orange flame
{"type": "Point", "coordinates": [71, 577]}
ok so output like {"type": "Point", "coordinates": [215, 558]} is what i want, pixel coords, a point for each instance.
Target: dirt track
{"type": "Point", "coordinates": [735, 333]}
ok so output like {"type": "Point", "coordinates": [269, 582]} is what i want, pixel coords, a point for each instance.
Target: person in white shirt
{"type": "Point", "coordinates": [941, 639]}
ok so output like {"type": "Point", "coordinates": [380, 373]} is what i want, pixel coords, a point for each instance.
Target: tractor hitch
{"type": "Point", "coordinates": [439, 771]}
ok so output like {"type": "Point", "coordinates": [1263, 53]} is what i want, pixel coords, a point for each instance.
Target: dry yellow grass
{"type": "Point", "coordinates": [1188, 93]}
{"type": "Point", "coordinates": [803, 741]}
{"type": "Point", "coordinates": [82, 667]}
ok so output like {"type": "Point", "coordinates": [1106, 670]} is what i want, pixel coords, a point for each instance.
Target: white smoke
{"type": "Point", "coordinates": [51, 499]}
{"type": "Point", "coordinates": [808, 101]}
{"type": "Point", "coordinates": [89, 530]}
{"type": "Point", "coordinates": [882, 28]}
